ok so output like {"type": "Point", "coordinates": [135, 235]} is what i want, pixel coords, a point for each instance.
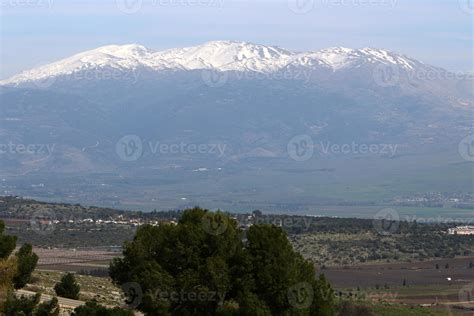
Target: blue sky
{"type": "Point", "coordinates": [35, 32]}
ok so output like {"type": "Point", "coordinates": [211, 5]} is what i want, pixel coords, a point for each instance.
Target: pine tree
{"type": "Point", "coordinates": [27, 261]}
{"type": "Point", "coordinates": [68, 287]}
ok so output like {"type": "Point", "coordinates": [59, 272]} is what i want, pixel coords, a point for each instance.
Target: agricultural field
{"type": "Point", "coordinates": [444, 284]}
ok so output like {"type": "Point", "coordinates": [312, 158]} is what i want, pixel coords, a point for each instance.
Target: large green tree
{"type": "Point", "coordinates": [204, 265]}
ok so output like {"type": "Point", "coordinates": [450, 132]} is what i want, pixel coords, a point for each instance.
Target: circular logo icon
{"type": "Point", "coordinates": [301, 295]}
{"type": "Point", "coordinates": [214, 223]}
{"type": "Point", "coordinates": [300, 148]}
{"type": "Point", "coordinates": [301, 6]}
{"type": "Point", "coordinates": [214, 78]}
{"type": "Point", "coordinates": [467, 6]}
{"type": "Point", "coordinates": [387, 221]}
{"type": "Point", "coordinates": [133, 294]}
{"type": "Point", "coordinates": [386, 75]}
{"type": "Point", "coordinates": [129, 148]}
{"type": "Point", "coordinates": [466, 148]}
{"type": "Point", "coordinates": [43, 222]}
{"type": "Point", "coordinates": [129, 6]}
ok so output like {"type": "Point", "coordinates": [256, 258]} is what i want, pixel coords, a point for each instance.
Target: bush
{"type": "Point", "coordinates": [93, 309]}
{"type": "Point", "coordinates": [68, 287]}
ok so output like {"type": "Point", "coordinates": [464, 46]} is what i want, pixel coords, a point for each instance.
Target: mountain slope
{"type": "Point", "coordinates": [252, 98]}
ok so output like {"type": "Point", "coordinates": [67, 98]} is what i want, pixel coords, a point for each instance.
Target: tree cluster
{"type": "Point", "coordinates": [205, 265]}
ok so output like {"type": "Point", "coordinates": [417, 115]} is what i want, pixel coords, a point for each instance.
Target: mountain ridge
{"type": "Point", "coordinates": [216, 55]}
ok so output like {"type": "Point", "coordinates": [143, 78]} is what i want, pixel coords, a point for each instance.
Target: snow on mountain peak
{"type": "Point", "coordinates": [221, 55]}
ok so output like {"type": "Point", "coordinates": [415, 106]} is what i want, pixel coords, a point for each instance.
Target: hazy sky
{"type": "Point", "coordinates": [35, 32]}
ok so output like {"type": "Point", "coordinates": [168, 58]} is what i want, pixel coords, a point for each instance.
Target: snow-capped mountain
{"type": "Point", "coordinates": [218, 55]}
{"type": "Point", "coordinates": [255, 100]}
